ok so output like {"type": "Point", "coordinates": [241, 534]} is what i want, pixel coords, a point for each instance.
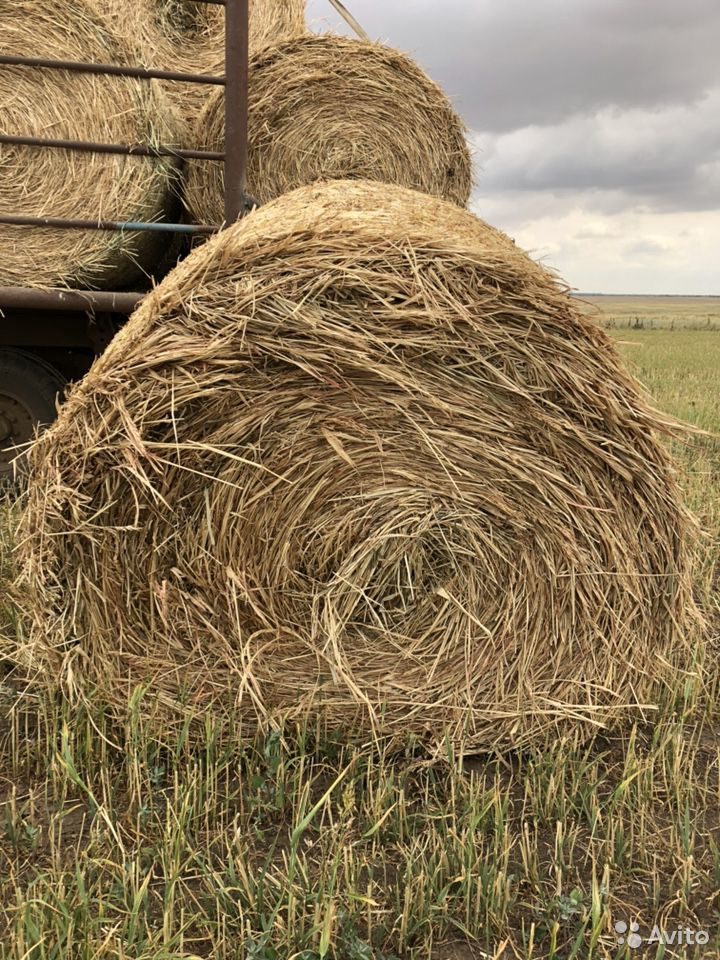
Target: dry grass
{"type": "Point", "coordinates": [8, 520]}
{"type": "Point", "coordinates": [48, 182]}
{"type": "Point", "coordinates": [324, 108]}
{"type": "Point", "coordinates": [359, 457]}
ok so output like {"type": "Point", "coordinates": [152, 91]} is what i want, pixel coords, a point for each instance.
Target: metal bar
{"type": "Point", "coordinates": [236, 106]}
{"type": "Point", "coordinates": [133, 150]}
{"type": "Point", "coordinates": [23, 298]}
{"type": "Point", "coordinates": [349, 19]}
{"type": "Point", "coordinates": [110, 69]}
{"type": "Point", "coordinates": [110, 225]}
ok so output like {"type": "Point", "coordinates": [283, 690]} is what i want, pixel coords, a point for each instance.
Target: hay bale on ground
{"type": "Point", "coordinates": [59, 183]}
{"type": "Point", "coordinates": [325, 107]}
{"type": "Point", "coordinates": [360, 456]}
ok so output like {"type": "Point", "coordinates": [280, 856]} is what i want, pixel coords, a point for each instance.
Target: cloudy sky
{"type": "Point", "coordinates": [595, 126]}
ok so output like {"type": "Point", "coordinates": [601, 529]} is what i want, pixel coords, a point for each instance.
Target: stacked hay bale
{"type": "Point", "coordinates": [270, 21]}
{"type": "Point", "coordinates": [59, 183]}
{"type": "Point", "coordinates": [360, 457]}
{"type": "Point", "coordinates": [189, 37]}
{"type": "Point", "coordinates": [323, 108]}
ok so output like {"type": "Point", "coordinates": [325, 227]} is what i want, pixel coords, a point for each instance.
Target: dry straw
{"type": "Point", "coordinates": [188, 36]}
{"type": "Point", "coordinates": [360, 457]}
{"type": "Point", "coordinates": [270, 21]}
{"type": "Point", "coordinates": [326, 107]}
{"type": "Point", "coordinates": [67, 184]}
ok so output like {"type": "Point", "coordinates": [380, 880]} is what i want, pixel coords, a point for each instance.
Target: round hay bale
{"type": "Point", "coordinates": [359, 456]}
{"type": "Point", "coordinates": [270, 21]}
{"type": "Point", "coordinates": [189, 37]}
{"type": "Point", "coordinates": [62, 183]}
{"type": "Point", "coordinates": [323, 108]}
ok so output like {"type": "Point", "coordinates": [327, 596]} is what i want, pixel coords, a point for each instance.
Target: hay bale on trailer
{"type": "Point", "coordinates": [203, 25]}
{"type": "Point", "coordinates": [189, 37]}
{"type": "Point", "coordinates": [44, 182]}
{"type": "Point", "coordinates": [360, 456]}
{"type": "Point", "coordinates": [326, 107]}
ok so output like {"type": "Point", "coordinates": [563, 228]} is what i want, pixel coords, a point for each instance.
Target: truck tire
{"type": "Point", "coordinates": [29, 388]}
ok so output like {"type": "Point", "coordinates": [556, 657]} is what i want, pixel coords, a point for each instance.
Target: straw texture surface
{"type": "Point", "coordinates": [326, 107]}
{"type": "Point", "coordinates": [67, 184]}
{"type": "Point", "coordinates": [359, 456]}
{"type": "Point", "coordinates": [189, 37]}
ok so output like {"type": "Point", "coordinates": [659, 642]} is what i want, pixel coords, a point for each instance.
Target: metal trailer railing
{"type": "Point", "coordinates": [235, 81]}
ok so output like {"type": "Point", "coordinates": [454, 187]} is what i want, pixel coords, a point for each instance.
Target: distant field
{"type": "Point", "coordinates": [673, 313]}
{"type": "Point", "coordinates": [680, 368]}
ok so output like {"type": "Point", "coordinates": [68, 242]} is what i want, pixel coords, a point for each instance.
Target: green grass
{"type": "Point", "coordinates": [295, 846]}
{"type": "Point", "coordinates": [680, 369]}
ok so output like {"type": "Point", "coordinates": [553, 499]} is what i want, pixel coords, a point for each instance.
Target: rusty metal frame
{"type": "Point", "coordinates": [27, 298]}
{"type": "Point", "coordinates": [237, 56]}
{"type": "Point", "coordinates": [108, 69]}
{"type": "Point", "coordinates": [131, 150]}
{"type": "Point", "coordinates": [234, 157]}
{"type": "Point", "coordinates": [62, 223]}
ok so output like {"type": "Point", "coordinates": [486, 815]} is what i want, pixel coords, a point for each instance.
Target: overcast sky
{"type": "Point", "coordinates": [595, 126]}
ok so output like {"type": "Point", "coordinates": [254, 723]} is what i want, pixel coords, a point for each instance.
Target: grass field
{"type": "Point", "coordinates": [296, 847]}
{"type": "Point", "coordinates": [656, 313]}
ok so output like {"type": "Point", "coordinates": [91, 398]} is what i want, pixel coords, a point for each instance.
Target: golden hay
{"type": "Point", "coordinates": [189, 37]}
{"type": "Point", "coordinates": [270, 21]}
{"type": "Point", "coordinates": [325, 107]}
{"type": "Point", "coordinates": [67, 184]}
{"type": "Point", "coordinates": [360, 457]}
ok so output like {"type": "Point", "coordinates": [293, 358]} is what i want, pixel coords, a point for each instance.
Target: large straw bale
{"type": "Point", "coordinates": [189, 37]}
{"type": "Point", "coordinates": [326, 107]}
{"type": "Point", "coordinates": [270, 21]}
{"type": "Point", "coordinates": [60, 183]}
{"type": "Point", "coordinates": [360, 456]}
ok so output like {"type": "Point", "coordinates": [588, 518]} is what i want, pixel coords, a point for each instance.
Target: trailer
{"type": "Point", "coordinates": [50, 337]}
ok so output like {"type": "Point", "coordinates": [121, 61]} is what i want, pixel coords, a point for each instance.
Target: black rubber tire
{"type": "Point", "coordinates": [34, 385]}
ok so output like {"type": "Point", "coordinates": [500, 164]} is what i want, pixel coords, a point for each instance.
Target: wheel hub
{"type": "Point", "coordinates": [16, 427]}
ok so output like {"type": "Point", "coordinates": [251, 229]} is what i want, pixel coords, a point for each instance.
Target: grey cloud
{"type": "Point", "coordinates": [646, 248]}
{"type": "Point", "coordinates": [597, 233]}
{"type": "Point", "coordinates": [592, 119]}
{"type": "Point", "coordinates": [517, 209]}
{"type": "Point", "coordinates": [669, 159]}
{"type": "Point", "coordinates": [511, 64]}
